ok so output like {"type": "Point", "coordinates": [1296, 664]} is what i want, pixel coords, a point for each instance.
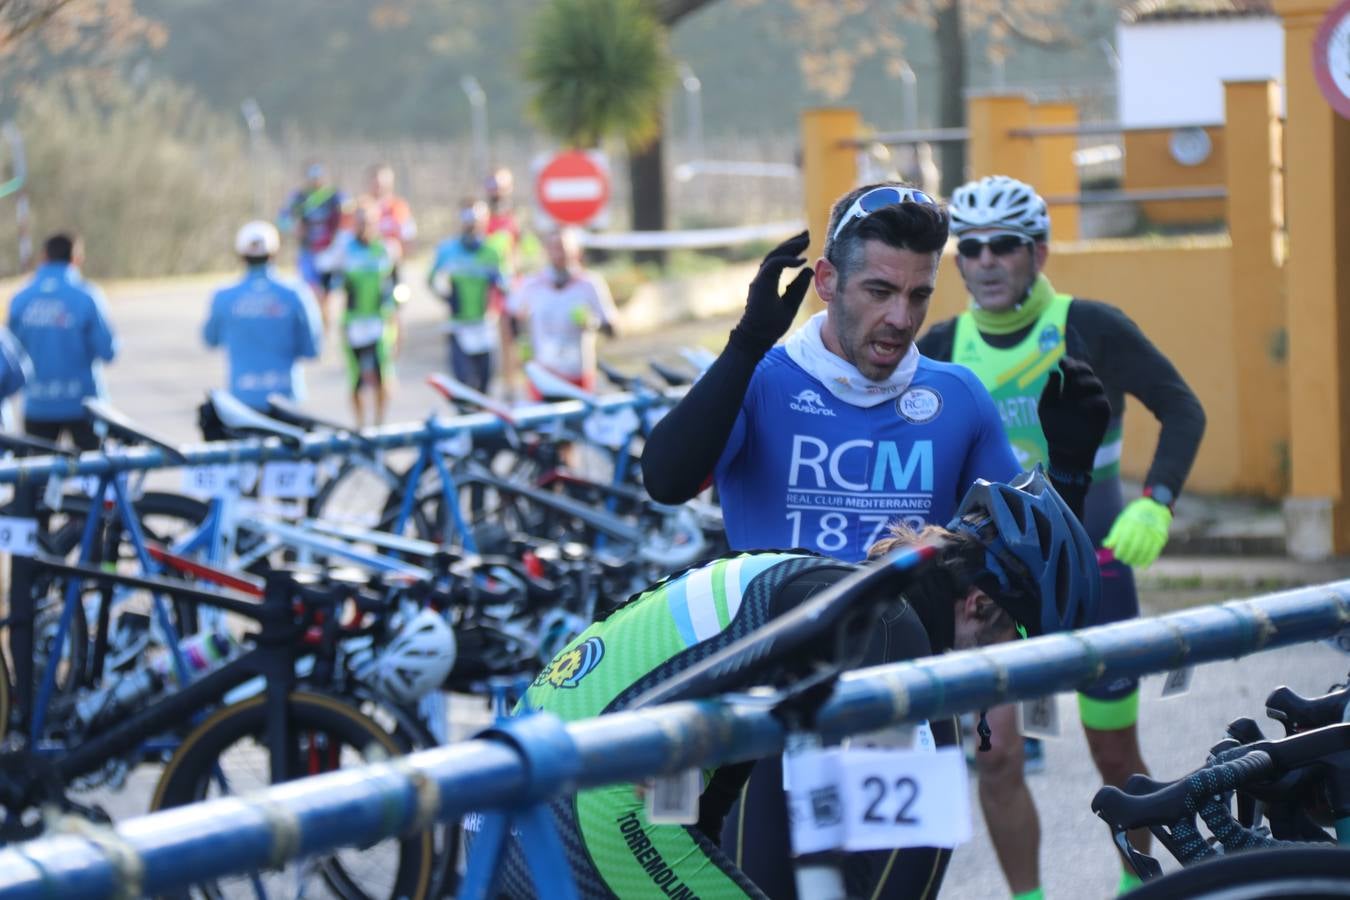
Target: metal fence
{"type": "Point", "coordinates": [539, 757]}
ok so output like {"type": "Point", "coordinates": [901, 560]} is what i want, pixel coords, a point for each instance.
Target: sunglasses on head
{"type": "Point", "coordinates": [876, 199]}
{"type": "Point", "coordinates": [999, 245]}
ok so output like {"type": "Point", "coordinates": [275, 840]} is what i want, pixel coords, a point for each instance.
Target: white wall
{"type": "Point", "coordinates": [1172, 73]}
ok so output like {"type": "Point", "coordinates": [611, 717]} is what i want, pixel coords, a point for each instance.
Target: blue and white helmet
{"type": "Point", "coordinates": [1001, 203]}
{"type": "Point", "coordinates": [1037, 550]}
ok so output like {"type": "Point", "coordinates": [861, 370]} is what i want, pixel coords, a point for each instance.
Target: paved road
{"type": "Point", "coordinates": [163, 372]}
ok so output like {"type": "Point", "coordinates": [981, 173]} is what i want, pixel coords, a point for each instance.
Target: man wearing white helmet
{"type": "Point", "coordinates": [266, 325]}
{"type": "Point", "coordinates": [1015, 331]}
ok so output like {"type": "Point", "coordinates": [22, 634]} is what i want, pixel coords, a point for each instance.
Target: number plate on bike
{"type": "Point", "coordinates": [218, 480]}
{"type": "Point", "coordinates": [863, 799]}
{"type": "Point", "coordinates": [18, 537]}
{"type": "Point", "coordinates": [288, 480]}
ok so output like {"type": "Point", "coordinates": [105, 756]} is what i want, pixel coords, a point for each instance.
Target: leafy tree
{"type": "Point", "coordinates": [601, 69]}
{"type": "Point", "coordinates": [77, 38]}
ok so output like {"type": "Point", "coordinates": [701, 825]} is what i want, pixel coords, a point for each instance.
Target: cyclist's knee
{"type": "Point", "coordinates": [1001, 766]}
{"type": "Point", "coordinates": [1116, 754]}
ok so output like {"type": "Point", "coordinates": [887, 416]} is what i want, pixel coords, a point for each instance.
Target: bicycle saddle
{"type": "Point", "coordinates": [122, 428]}
{"type": "Point", "coordinates": [240, 418]}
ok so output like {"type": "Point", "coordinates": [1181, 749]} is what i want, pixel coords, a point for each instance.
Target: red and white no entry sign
{"type": "Point", "coordinates": [1331, 58]}
{"type": "Point", "coordinates": [572, 188]}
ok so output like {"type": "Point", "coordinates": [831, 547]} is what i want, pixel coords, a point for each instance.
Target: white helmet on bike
{"type": "Point", "coordinates": [417, 661]}
{"type": "Point", "coordinates": [257, 239]}
{"type": "Point", "coordinates": [1000, 203]}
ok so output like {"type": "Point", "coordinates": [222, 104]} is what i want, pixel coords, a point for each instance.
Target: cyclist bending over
{"type": "Point", "coordinates": [1019, 560]}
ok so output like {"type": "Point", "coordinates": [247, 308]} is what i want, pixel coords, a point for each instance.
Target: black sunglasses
{"type": "Point", "coordinates": [1001, 245]}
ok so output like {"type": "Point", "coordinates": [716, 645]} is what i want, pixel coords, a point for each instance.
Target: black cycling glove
{"type": "Point", "coordinates": [768, 315]}
{"type": "Point", "coordinates": [1074, 415]}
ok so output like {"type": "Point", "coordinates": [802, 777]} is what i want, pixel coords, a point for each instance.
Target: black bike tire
{"type": "Point", "coordinates": [187, 774]}
{"type": "Point", "coordinates": [1289, 872]}
{"type": "Point", "coordinates": [385, 509]}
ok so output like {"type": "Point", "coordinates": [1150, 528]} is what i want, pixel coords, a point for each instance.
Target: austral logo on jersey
{"type": "Point", "coordinates": [568, 668]}
{"type": "Point", "coordinates": [1049, 338]}
{"type": "Point", "coordinates": [919, 405]}
{"type": "Point", "coordinates": [809, 401]}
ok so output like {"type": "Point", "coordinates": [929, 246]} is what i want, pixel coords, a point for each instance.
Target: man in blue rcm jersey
{"type": "Point", "coordinates": [60, 321]}
{"type": "Point", "coordinates": [266, 325]}
{"type": "Point", "coordinates": [824, 442]}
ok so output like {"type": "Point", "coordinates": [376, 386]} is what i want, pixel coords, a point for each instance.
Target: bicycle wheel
{"type": "Point", "coordinates": [227, 755]}
{"type": "Point", "coordinates": [358, 494]}
{"type": "Point", "coordinates": [1289, 873]}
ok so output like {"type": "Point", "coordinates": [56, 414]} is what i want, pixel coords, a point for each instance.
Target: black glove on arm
{"type": "Point", "coordinates": [768, 315]}
{"type": "Point", "coordinates": [1074, 415]}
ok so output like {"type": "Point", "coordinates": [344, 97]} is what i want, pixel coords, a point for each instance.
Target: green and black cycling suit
{"type": "Point", "coordinates": [1014, 365]}
{"type": "Point", "coordinates": [612, 848]}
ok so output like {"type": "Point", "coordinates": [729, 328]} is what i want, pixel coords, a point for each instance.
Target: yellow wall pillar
{"type": "Point", "coordinates": [992, 150]}
{"type": "Point", "coordinates": [1317, 283]}
{"type": "Point", "coordinates": [829, 170]}
{"type": "Point", "coordinates": [1055, 172]}
{"type": "Point", "coordinates": [829, 165]}
{"type": "Point", "coordinates": [1255, 219]}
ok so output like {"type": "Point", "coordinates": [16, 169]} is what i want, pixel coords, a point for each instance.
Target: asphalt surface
{"type": "Point", "coordinates": [163, 372]}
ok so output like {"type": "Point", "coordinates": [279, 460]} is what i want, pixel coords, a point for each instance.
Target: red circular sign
{"type": "Point", "coordinates": [1331, 58]}
{"type": "Point", "coordinates": [572, 188]}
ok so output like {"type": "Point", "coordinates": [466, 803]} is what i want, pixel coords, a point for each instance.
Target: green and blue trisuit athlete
{"type": "Point", "coordinates": [464, 272]}
{"type": "Point", "coordinates": [369, 323]}
{"type": "Point", "coordinates": [1042, 578]}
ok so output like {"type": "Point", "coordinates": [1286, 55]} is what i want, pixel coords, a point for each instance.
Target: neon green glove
{"type": "Point", "coordinates": [1139, 532]}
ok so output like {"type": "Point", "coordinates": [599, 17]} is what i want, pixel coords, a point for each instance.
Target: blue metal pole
{"type": "Point", "coordinates": [314, 447]}
{"type": "Point", "coordinates": [510, 767]}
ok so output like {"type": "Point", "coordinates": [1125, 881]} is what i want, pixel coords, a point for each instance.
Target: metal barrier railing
{"type": "Point", "coordinates": [388, 437]}
{"type": "Point", "coordinates": [542, 757]}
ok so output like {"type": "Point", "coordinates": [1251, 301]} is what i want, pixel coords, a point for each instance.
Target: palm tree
{"type": "Point", "coordinates": [601, 70]}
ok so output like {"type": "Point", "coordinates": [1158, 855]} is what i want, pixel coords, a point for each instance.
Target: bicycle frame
{"type": "Point", "coordinates": [273, 659]}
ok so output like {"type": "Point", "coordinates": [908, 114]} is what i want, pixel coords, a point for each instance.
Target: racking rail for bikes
{"type": "Point", "coordinates": [389, 437]}
{"type": "Point", "coordinates": [522, 762]}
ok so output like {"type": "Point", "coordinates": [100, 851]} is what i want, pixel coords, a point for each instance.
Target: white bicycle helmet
{"type": "Point", "coordinates": [256, 239]}
{"type": "Point", "coordinates": [1002, 203]}
{"type": "Point", "coordinates": [417, 661]}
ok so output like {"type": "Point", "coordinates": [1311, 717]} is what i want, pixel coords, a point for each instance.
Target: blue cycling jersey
{"type": "Point", "coordinates": [60, 321]}
{"type": "Point", "coordinates": [803, 468]}
{"type": "Point", "coordinates": [266, 326]}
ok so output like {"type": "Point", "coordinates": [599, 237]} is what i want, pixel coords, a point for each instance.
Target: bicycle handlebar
{"type": "Point", "coordinates": [733, 666]}
{"type": "Point", "coordinates": [1150, 803]}
{"type": "Point", "coordinates": [1297, 713]}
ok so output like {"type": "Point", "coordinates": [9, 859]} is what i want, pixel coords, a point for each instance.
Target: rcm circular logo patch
{"type": "Point", "coordinates": [919, 405]}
